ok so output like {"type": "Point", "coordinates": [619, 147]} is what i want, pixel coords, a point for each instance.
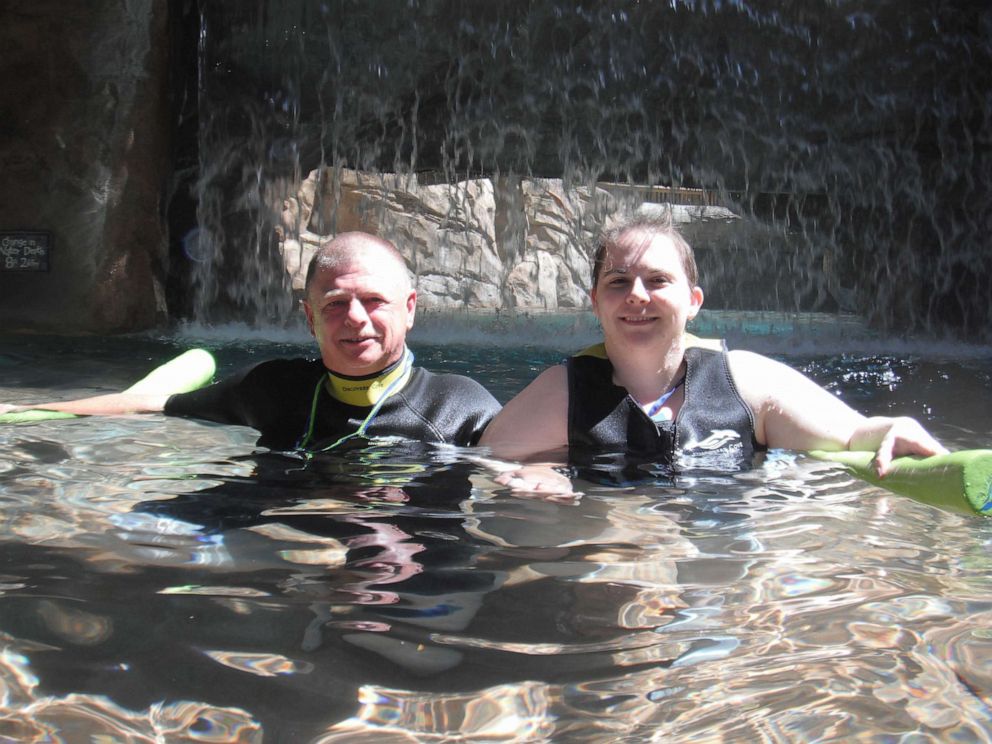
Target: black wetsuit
{"type": "Point", "coordinates": [714, 427]}
{"type": "Point", "coordinates": [275, 398]}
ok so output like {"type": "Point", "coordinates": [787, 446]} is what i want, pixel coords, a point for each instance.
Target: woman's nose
{"type": "Point", "coordinates": [638, 292]}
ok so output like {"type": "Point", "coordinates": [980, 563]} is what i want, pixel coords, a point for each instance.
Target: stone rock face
{"type": "Point", "coordinates": [561, 225]}
{"type": "Point", "coordinates": [82, 154]}
{"type": "Point", "coordinates": [526, 245]}
{"type": "Point", "coordinates": [479, 244]}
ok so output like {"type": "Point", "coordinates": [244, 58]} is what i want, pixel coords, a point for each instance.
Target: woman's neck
{"type": "Point", "coordinates": [647, 373]}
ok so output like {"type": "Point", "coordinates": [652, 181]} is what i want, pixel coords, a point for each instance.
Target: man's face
{"type": "Point", "coordinates": [360, 312]}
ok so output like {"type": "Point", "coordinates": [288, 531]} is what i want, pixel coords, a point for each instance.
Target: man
{"type": "Point", "coordinates": [359, 305]}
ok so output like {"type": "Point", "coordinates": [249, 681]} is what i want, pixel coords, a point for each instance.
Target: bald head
{"type": "Point", "coordinates": [347, 248]}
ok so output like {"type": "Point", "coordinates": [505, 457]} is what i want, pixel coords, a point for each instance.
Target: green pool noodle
{"type": "Point", "coordinates": [960, 481]}
{"type": "Point", "coordinates": [190, 370]}
{"type": "Point", "coordinates": [29, 417]}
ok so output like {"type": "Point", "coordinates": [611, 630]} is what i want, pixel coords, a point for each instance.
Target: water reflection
{"type": "Point", "coordinates": [161, 579]}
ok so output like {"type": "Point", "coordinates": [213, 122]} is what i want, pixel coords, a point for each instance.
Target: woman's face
{"type": "Point", "coordinates": [642, 295]}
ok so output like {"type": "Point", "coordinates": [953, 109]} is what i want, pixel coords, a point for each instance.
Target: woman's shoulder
{"type": "Point", "coordinates": [751, 362]}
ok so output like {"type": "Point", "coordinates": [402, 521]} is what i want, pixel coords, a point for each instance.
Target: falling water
{"type": "Point", "coordinates": [850, 140]}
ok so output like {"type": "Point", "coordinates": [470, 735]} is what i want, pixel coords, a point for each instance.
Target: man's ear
{"type": "Point", "coordinates": [308, 311]}
{"type": "Point", "coordinates": [411, 308]}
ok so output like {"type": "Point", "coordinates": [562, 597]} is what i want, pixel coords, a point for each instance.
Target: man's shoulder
{"type": "Point", "coordinates": [447, 383]}
{"type": "Point", "coordinates": [285, 369]}
{"type": "Point", "coordinates": [277, 379]}
{"type": "Point", "coordinates": [291, 363]}
{"type": "Point", "coordinates": [439, 391]}
{"type": "Point", "coordinates": [446, 378]}
{"type": "Point", "coordinates": [272, 376]}
{"type": "Point", "coordinates": [455, 408]}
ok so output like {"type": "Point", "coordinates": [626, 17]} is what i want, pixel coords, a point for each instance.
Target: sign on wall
{"type": "Point", "coordinates": [25, 250]}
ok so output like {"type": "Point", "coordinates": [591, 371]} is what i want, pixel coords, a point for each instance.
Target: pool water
{"type": "Point", "coordinates": [163, 581]}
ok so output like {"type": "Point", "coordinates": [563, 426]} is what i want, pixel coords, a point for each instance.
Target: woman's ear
{"type": "Point", "coordinates": [695, 301]}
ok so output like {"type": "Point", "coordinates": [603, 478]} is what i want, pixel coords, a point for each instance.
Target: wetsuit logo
{"type": "Point", "coordinates": [721, 450]}
{"type": "Point", "coordinates": [717, 440]}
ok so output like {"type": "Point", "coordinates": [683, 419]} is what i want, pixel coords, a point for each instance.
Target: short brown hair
{"type": "Point", "coordinates": [656, 224]}
{"type": "Point", "coordinates": [344, 246]}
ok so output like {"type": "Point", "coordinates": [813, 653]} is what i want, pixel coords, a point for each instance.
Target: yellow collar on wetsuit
{"type": "Point", "coordinates": [369, 390]}
{"type": "Point", "coordinates": [717, 344]}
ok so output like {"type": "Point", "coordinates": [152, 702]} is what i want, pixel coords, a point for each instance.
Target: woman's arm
{"type": "Point", "coordinates": [534, 421]}
{"type": "Point", "coordinates": [793, 412]}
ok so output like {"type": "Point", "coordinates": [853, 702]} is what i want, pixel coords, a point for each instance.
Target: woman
{"type": "Point", "coordinates": [651, 389]}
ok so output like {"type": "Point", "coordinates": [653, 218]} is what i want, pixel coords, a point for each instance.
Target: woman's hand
{"type": "Point", "coordinates": [542, 479]}
{"type": "Point", "coordinates": [894, 437]}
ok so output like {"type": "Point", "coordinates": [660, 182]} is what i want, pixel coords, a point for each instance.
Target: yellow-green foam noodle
{"type": "Point", "coordinates": [29, 417]}
{"type": "Point", "coordinates": [960, 481]}
{"type": "Point", "coordinates": [188, 371]}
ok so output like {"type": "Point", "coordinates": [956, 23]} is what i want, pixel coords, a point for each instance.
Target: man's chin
{"type": "Point", "coordinates": [358, 360]}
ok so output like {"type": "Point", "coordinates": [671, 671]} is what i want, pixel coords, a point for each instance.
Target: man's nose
{"type": "Point", "coordinates": [357, 315]}
{"type": "Point", "coordinates": [638, 292]}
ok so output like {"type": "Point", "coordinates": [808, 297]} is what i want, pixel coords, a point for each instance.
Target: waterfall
{"type": "Point", "coordinates": [829, 157]}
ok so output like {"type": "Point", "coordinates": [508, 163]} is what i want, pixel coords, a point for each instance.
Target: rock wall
{"type": "Point", "coordinates": [482, 244]}
{"type": "Point", "coordinates": [526, 244]}
{"type": "Point", "coordinates": [84, 157]}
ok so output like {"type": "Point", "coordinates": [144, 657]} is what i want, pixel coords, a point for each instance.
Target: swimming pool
{"type": "Point", "coordinates": [162, 581]}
